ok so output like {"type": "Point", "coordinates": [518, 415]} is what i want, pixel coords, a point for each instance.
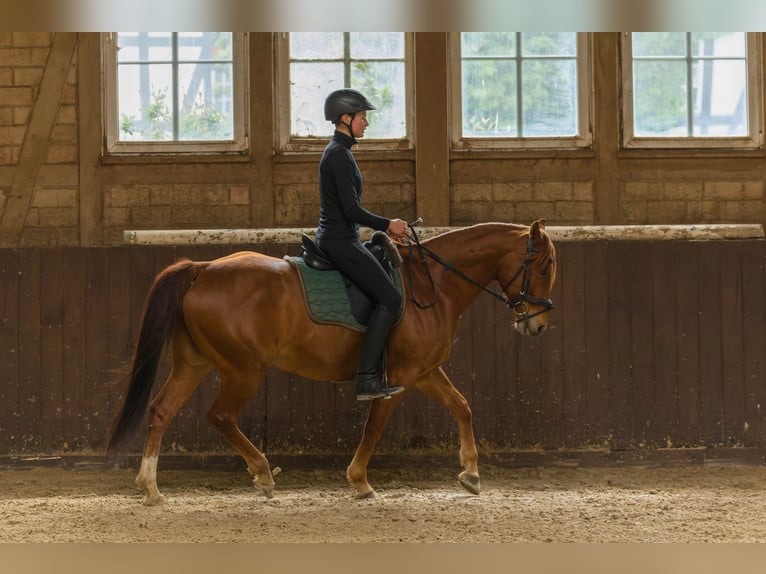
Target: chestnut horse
{"type": "Point", "coordinates": [241, 314]}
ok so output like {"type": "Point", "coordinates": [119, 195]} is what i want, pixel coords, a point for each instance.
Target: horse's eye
{"type": "Point", "coordinates": [544, 270]}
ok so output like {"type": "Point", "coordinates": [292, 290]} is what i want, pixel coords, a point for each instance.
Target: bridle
{"type": "Point", "coordinates": [519, 304]}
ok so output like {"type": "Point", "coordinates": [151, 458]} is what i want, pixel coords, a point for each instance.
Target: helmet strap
{"type": "Point", "coordinates": [350, 129]}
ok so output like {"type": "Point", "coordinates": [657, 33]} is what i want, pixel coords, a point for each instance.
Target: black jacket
{"type": "Point", "coordinates": [340, 193]}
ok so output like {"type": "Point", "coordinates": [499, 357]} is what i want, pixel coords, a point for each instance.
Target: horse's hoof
{"type": "Point", "coordinates": [265, 483]}
{"type": "Point", "coordinates": [365, 495]}
{"type": "Point", "coordinates": [470, 482]}
{"type": "Point", "coordinates": [154, 500]}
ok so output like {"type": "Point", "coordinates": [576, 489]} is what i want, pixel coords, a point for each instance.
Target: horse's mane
{"type": "Point", "coordinates": [489, 225]}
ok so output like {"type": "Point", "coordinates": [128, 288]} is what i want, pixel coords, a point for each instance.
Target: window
{"type": "Point", "coordinates": [175, 92]}
{"type": "Point", "coordinates": [691, 89]}
{"type": "Point", "coordinates": [313, 64]}
{"type": "Point", "coordinates": [521, 90]}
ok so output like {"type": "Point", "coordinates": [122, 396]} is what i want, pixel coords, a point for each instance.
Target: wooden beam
{"type": "Point", "coordinates": [432, 192]}
{"type": "Point", "coordinates": [36, 139]}
{"type": "Point", "coordinates": [607, 120]}
{"type": "Point", "coordinates": [292, 236]}
{"type": "Point", "coordinates": [89, 105]}
{"type": "Point", "coordinates": [262, 193]}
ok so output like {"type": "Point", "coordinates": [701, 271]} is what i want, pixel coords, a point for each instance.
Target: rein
{"type": "Point", "coordinates": [519, 304]}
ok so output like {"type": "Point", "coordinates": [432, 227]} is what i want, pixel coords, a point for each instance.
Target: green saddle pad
{"type": "Point", "coordinates": [326, 297]}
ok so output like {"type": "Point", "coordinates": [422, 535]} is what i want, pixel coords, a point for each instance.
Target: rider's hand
{"type": "Point", "coordinates": [397, 228]}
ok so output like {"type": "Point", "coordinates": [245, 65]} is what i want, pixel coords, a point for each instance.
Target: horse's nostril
{"type": "Point", "coordinates": [540, 329]}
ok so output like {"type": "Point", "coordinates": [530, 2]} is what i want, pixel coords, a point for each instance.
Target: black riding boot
{"type": "Point", "coordinates": [368, 383]}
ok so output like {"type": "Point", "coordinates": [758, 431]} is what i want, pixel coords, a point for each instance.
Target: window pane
{"type": "Point", "coordinates": [489, 98]}
{"type": "Point", "coordinates": [151, 66]}
{"type": "Point", "coordinates": [670, 103]}
{"type": "Point", "coordinates": [145, 114]}
{"type": "Point", "coordinates": [377, 45]}
{"type": "Point", "coordinates": [316, 45]}
{"type": "Point", "coordinates": [488, 44]}
{"type": "Point", "coordinates": [308, 89]}
{"type": "Point", "coordinates": [374, 65]}
{"type": "Point", "coordinates": [647, 44]}
{"type": "Point", "coordinates": [194, 46]}
{"type": "Point", "coordinates": [378, 82]}
{"type": "Point", "coordinates": [659, 98]}
{"type": "Point", "coordinates": [549, 96]}
{"type": "Point", "coordinates": [719, 44]}
{"type": "Point", "coordinates": [145, 47]}
{"type": "Point", "coordinates": [548, 44]}
{"type": "Point", "coordinates": [532, 94]}
{"type": "Point", "coordinates": [206, 107]}
{"type": "Point", "coordinates": [720, 102]}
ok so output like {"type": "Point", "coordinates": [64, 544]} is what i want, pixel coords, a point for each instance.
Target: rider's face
{"type": "Point", "coordinates": [359, 124]}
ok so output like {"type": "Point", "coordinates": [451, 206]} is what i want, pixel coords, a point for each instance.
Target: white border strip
{"type": "Point", "coordinates": [283, 236]}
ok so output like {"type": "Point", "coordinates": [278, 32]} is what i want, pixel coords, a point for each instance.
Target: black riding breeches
{"type": "Point", "coordinates": [359, 265]}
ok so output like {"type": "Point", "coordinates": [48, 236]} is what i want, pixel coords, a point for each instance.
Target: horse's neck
{"type": "Point", "coordinates": [475, 251]}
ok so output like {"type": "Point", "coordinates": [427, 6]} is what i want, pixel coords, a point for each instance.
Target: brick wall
{"type": "Point", "coordinates": [560, 202]}
{"type": "Point", "coordinates": [53, 215]}
{"type": "Point", "coordinates": [170, 206]}
{"type": "Point", "coordinates": [22, 61]}
{"type": "Point", "coordinates": [678, 202]}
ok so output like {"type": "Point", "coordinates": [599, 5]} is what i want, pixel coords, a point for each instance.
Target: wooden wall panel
{"type": "Point", "coordinates": [595, 323]}
{"type": "Point", "coordinates": [688, 322]}
{"type": "Point", "coordinates": [572, 311]}
{"type": "Point", "coordinates": [51, 350]}
{"type": "Point", "coordinates": [95, 406]}
{"type": "Point", "coordinates": [619, 382]}
{"type": "Point", "coordinates": [28, 352]}
{"type": "Point", "coordinates": [710, 343]}
{"type": "Point", "coordinates": [9, 347]}
{"type": "Point", "coordinates": [732, 345]}
{"type": "Point", "coordinates": [754, 339]}
{"type": "Point", "coordinates": [652, 344]}
{"type": "Point", "coordinates": [74, 352]}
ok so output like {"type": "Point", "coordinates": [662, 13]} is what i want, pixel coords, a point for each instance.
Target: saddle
{"type": "Point", "coordinates": [333, 298]}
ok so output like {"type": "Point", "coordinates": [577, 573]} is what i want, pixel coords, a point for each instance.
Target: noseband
{"type": "Point", "coordinates": [519, 304]}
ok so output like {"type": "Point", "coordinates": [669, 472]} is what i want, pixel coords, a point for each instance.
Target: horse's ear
{"type": "Point", "coordinates": [536, 228]}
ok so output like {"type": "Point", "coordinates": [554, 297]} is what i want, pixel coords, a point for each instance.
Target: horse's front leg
{"type": "Point", "coordinates": [437, 386]}
{"type": "Point", "coordinates": [377, 418]}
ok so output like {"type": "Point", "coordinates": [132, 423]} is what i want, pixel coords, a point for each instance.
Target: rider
{"type": "Point", "coordinates": [340, 215]}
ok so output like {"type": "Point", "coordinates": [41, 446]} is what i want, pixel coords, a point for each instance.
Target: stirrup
{"type": "Point", "coordinates": [371, 387]}
{"type": "Point", "coordinates": [386, 393]}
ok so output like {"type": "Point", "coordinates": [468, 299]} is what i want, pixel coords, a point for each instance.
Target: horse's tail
{"type": "Point", "coordinates": [161, 310]}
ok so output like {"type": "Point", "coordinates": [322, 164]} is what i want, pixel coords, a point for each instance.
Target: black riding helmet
{"type": "Point", "coordinates": [345, 101]}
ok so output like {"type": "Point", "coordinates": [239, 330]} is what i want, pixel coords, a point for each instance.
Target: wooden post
{"type": "Point", "coordinates": [90, 137]}
{"type": "Point", "coordinates": [432, 192]}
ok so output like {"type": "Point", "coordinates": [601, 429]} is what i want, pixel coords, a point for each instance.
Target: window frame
{"type": "Point", "coordinates": [582, 140]}
{"type": "Point", "coordinates": [754, 79]}
{"type": "Point", "coordinates": [240, 101]}
{"type": "Point", "coordinates": [287, 143]}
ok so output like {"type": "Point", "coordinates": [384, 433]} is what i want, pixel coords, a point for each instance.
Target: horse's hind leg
{"type": "Point", "coordinates": [181, 383]}
{"type": "Point", "coordinates": [438, 387]}
{"type": "Point", "coordinates": [235, 392]}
